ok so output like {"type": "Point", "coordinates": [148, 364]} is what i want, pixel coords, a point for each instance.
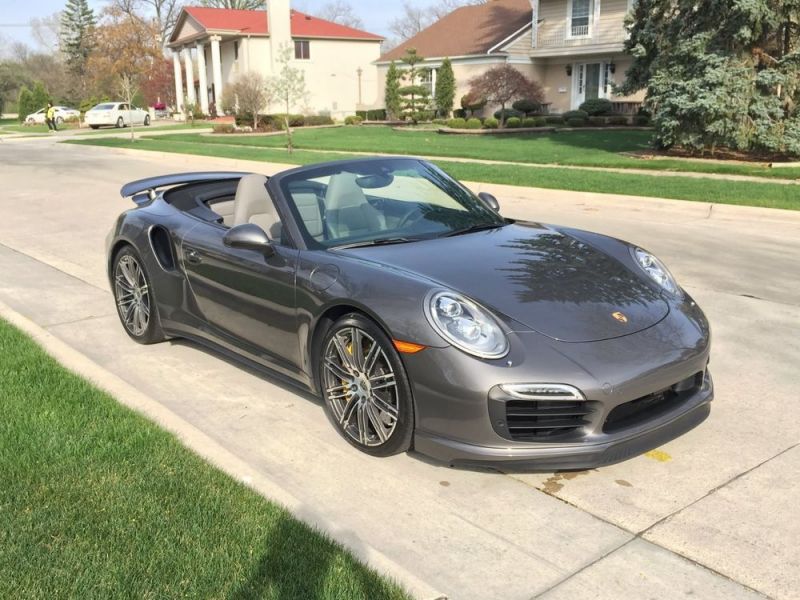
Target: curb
{"type": "Point", "coordinates": [204, 446]}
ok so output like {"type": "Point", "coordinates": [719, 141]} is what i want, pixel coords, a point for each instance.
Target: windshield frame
{"type": "Point", "coordinates": [473, 205]}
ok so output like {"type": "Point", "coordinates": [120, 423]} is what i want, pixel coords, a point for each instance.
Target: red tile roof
{"type": "Point", "coordinates": [255, 22]}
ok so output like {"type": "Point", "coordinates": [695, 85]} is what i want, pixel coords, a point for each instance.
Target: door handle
{"type": "Point", "coordinates": [192, 257]}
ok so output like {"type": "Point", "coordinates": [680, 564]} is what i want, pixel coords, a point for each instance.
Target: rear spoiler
{"type": "Point", "coordinates": [151, 184]}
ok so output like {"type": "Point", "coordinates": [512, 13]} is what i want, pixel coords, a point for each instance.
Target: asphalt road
{"type": "Point", "coordinates": [711, 514]}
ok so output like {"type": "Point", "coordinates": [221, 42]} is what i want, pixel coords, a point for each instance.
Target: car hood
{"type": "Point", "coordinates": [545, 280]}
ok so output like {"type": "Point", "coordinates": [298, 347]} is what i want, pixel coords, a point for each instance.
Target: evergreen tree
{"type": "Point", "coordinates": [25, 103]}
{"type": "Point", "coordinates": [415, 97]}
{"type": "Point", "coordinates": [445, 93]}
{"type": "Point", "coordinates": [77, 38]}
{"type": "Point", "coordinates": [393, 100]}
{"type": "Point", "coordinates": [39, 96]}
{"type": "Point", "coordinates": [718, 73]}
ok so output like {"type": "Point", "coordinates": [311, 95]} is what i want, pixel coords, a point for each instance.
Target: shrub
{"type": "Point", "coordinates": [378, 114]}
{"type": "Point", "coordinates": [642, 121]}
{"type": "Point", "coordinates": [470, 103]}
{"type": "Point", "coordinates": [596, 107]}
{"type": "Point", "coordinates": [473, 124]}
{"type": "Point", "coordinates": [460, 113]}
{"type": "Point", "coordinates": [457, 124]}
{"type": "Point", "coordinates": [554, 120]}
{"type": "Point", "coordinates": [317, 120]}
{"type": "Point", "coordinates": [514, 123]}
{"type": "Point", "coordinates": [575, 114]}
{"type": "Point", "coordinates": [576, 122]}
{"type": "Point", "coordinates": [597, 121]}
{"type": "Point", "coordinates": [509, 112]}
{"type": "Point", "coordinates": [353, 120]}
{"type": "Point", "coordinates": [529, 122]}
{"type": "Point", "coordinates": [224, 128]}
{"type": "Point", "coordinates": [540, 121]}
{"type": "Point", "coordinates": [527, 106]}
{"type": "Point", "coordinates": [491, 123]}
{"type": "Point", "coordinates": [617, 120]}
{"type": "Point", "coordinates": [423, 116]}
{"type": "Point", "coordinates": [440, 121]}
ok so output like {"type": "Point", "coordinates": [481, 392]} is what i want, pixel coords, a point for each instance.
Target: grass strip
{"type": "Point", "coordinates": [97, 502]}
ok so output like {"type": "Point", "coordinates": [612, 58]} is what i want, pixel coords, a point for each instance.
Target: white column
{"type": "Point", "coordinates": [176, 63]}
{"type": "Point", "coordinates": [534, 23]}
{"type": "Point", "coordinates": [201, 77]}
{"type": "Point", "coordinates": [187, 57]}
{"type": "Point", "coordinates": [216, 71]}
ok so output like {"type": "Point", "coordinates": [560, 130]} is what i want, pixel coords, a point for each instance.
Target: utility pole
{"type": "Point", "coordinates": [360, 72]}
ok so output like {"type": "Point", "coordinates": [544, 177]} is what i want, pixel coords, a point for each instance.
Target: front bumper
{"type": "Point", "coordinates": [455, 421]}
{"type": "Point", "coordinates": [550, 457]}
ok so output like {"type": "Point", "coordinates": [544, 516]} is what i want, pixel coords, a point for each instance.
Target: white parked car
{"type": "Point", "coordinates": [116, 114]}
{"type": "Point", "coordinates": [62, 114]}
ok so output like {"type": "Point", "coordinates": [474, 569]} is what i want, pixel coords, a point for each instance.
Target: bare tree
{"type": "Point", "coordinates": [252, 94]}
{"type": "Point", "coordinates": [416, 17]}
{"type": "Point", "coordinates": [235, 4]}
{"type": "Point", "coordinates": [128, 88]}
{"type": "Point", "coordinates": [342, 12]}
{"type": "Point", "coordinates": [290, 88]}
{"type": "Point", "coordinates": [503, 84]}
{"type": "Point", "coordinates": [46, 32]}
{"type": "Point", "coordinates": [165, 12]}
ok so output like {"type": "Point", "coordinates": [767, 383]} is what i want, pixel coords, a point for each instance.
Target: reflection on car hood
{"type": "Point", "coordinates": [545, 280]}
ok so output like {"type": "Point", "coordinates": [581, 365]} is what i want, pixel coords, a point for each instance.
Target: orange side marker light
{"type": "Point", "coordinates": [408, 347]}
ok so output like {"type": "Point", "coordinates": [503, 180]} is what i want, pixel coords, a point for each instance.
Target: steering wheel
{"type": "Point", "coordinates": [411, 217]}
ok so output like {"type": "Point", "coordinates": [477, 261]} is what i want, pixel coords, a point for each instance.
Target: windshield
{"type": "Point", "coordinates": [393, 200]}
{"type": "Point", "coordinates": [104, 107]}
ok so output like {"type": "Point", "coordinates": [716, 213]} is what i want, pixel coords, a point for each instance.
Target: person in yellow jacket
{"type": "Point", "coordinates": [50, 117]}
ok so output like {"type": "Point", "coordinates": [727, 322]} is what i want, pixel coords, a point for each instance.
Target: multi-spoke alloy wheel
{"type": "Point", "coordinates": [134, 298]}
{"type": "Point", "coordinates": [364, 387]}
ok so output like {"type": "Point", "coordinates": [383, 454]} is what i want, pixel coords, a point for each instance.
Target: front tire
{"type": "Point", "coordinates": [147, 121]}
{"type": "Point", "coordinates": [120, 123]}
{"type": "Point", "coordinates": [94, 126]}
{"type": "Point", "coordinates": [133, 295]}
{"type": "Point", "coordinates": [364, 386]}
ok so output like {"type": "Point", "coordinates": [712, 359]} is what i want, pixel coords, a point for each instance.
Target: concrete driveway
{"type": "Point", "coordinates": [711, 514]}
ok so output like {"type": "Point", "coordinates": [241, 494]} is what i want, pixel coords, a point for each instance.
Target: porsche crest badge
{"type": "Point", "coordinates": [620, 317]}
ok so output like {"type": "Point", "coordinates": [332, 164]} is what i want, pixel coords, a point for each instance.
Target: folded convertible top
{"type": "Point", "coordinates": [153, 183]}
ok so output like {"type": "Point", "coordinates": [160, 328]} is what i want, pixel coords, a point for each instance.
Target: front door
{"type": "Point", "coordinates": [587, 83]}
{"type": "Point", "coordinates": [244, 296]}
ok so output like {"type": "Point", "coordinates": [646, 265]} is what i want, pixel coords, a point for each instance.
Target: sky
{"type": "Point", "coordinates": [375, 14]}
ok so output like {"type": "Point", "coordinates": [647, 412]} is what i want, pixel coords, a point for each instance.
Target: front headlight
{"type": "Point", "coordinates": [466, 325]}
{"type": "Point", "coordinates": [656, 270]}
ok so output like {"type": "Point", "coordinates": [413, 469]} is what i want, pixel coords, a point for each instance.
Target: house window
{"type": "Point", "coordinates": [580, 18]}
{"type": "Point", "coordinates": [302, 49]}
{"type": "Point", "coordinates": [235, 50]}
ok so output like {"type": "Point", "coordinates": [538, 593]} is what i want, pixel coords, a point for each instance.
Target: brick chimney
{"type": "Point", "coordinates": [280, 34]}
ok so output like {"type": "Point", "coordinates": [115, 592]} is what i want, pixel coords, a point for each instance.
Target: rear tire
{"type": "Point", "coordinates": [94, 126]}
{"type": "Point", "coordinates": [133, 295]}
{"type": "Point", "coordinates": [147, 121]}
{"type": "Point", "coordinates": [364, 386]}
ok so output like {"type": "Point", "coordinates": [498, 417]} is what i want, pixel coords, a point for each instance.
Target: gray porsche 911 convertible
{"type": "Point", "coordinates": [421, 317]}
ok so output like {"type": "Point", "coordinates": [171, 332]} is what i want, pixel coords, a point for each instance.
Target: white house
{"type": "Point", "coordinates": [211, 47]}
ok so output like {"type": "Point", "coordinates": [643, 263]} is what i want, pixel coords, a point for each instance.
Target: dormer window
{"type": "Point", "coordinates": [580, 17]}
{"type": "Point", "coordinates": [302, 50]}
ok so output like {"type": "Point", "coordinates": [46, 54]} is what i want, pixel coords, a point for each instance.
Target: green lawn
{"type": "Point", "coordinates": [770, 195]}
{"type": "Point", "coordinates": [97, 502]}
{"type": "Point", "coordinates": [580, 148]}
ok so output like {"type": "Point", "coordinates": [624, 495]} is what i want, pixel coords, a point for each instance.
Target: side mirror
{"type": "Point", "coordinates": [249, 237]}
{"type": "Point", "coordinates": [490, 201]}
